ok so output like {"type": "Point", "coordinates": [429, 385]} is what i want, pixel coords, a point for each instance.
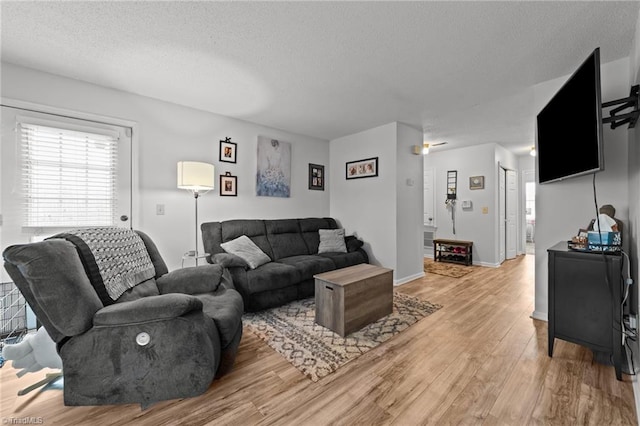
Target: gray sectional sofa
{"type": "Point", "coordinates": [292, 246]}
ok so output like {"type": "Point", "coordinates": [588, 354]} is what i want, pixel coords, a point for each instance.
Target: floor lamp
{"type": "Point", "coordinates": [198, 178]}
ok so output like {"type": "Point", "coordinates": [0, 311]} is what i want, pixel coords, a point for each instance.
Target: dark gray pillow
{"type": "Point", "coordinates": [246, 249]}
{"type": "Point", "coordinates": [332, 241]}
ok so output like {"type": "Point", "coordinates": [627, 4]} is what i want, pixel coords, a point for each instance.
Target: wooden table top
{"type": "Point", "coordinates": [351, 274]}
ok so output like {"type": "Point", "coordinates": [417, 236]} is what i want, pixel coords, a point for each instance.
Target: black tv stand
{"type": "Point", "coordinates": [585, 294]}
{"type": "Point", "coordinates": [631, 101]}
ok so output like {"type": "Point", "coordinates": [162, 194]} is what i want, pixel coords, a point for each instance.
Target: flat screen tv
{"type": "Point", "coordinates": [569, 127]}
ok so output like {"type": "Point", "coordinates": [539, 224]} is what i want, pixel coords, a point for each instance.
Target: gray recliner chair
{"type": "Point", "coordinates": [165, 338]}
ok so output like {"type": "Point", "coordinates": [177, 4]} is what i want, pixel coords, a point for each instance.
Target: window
{"type": "Point", "coordinates": [69, 177]}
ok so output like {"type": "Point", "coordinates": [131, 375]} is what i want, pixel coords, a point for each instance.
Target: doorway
{"type": "Point", "coordinates": [530, 214]}
{"type": "Point", "coordinates": [508, 213]}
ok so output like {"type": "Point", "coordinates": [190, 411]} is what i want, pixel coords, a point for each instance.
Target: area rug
{"type": "Point", "coordinates": [446, 269]}
{"type": "Point", "coordinates": [317, 351]}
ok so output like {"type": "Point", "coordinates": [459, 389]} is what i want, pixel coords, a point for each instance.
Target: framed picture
{"type": "Point", "coordinates": [476, 182]}
{"type": "Point", "coordinates": [362, 168]}
{"type": "Point", "coordinates": [273, 178]}
{"type": "Point", "coordinates": [228, 185]}
{"type": "Point", "coordinates": [228, 151]}
{"type": "Point", "coordinates": [316, 177]}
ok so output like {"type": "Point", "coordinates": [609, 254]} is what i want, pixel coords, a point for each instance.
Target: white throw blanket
{"type": "Point", "coordinates": [115, 259]}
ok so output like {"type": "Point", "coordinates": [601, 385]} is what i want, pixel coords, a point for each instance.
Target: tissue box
{"type": "Point", "coordinates": [610, 241]}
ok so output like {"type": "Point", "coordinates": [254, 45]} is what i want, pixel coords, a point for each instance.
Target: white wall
{"type": "Point", "coordinates": [367, 206]}
{"type": "Point", "coordinates": [566, 206]}
{"type": "Point", "coordinates": [633, 224]}
{"type": "Point", "coordinates": [169, 133]}
{"type": "Point", "coordinates": [472, 224]}
{"type": "Point", "coordinates": [384, 211]}
{"type": "Point", "coordinates": [410, 205]}
{"type": "Point", "coordinates": [526, 173]}
{"type": "Point", "coordinates": [506, 160]}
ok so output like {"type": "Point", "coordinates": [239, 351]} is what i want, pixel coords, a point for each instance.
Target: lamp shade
{"type": "Point", "coordinates": [196, 176]}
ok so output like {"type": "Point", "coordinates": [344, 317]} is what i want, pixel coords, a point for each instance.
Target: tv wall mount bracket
{"type": "Point", "coordinates": [615, 118]}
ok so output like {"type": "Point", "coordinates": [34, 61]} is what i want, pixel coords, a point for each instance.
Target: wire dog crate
{"type": "Point", "coordinates": [13, 314]}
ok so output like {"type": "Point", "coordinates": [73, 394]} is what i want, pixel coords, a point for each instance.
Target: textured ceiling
{"type": "Point", "coordinates": [461, 71]}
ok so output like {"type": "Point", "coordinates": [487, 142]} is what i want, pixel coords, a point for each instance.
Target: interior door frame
{"type": "Point", "coordinates": [503, 247]}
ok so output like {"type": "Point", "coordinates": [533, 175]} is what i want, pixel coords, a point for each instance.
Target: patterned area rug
{"type": "Point", "coordinates": [446, 269]}
{"type": "Point", "coordinates": [317, 351]}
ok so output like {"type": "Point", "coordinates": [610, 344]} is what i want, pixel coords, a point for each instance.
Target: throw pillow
{"type": "Point", "coordinates": [246, 249]}
{"type": "Point", "coordinates": [332, 241]}
{"type": "Point", "coordinates": [353, 243]}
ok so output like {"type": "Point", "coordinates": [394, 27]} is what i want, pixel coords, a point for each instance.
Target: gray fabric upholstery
{"type": "Point", "coordinates": [56, 278]}
{"type": "Point", "coordinates": [200, 279]}
{"type": "Point", "coordinates": [195, 326]}
{"type": "Point", "coordinates": [116, 370]}
{"type": "Point", "coordinates": [271, 275]}
{"type": "Point", "coordinates": [285, 238]}
{"type": "Point", "coordinates": [145, 289]}
{"type": "Point", "coordinates": [309, 228]}
{"type": "Point", "coordinates": [152, 308]}
{"type": "Point", "coordinates": [225, 307]}
{"type": "Point", "coordinates": [228, 260]}
{"type": "Point", "coordinates": [293, 246]}
{"type": "Point", "coordinates": [254, 229]}
{"type": "Point", "coordinates": [343, 260]}
{"type": "Point", "coordinates": [309, 265]}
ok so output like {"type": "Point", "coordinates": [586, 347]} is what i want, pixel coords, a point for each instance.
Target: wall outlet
{"type": "Point", "coordinates": [633, 322]}
{"type": "Point", "coordinates": [159, 209]}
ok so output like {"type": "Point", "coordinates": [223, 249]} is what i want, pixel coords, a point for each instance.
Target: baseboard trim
{"type": "Point", "coordinates": [487, 264]}
{"type": "Point", "coordinates": [408, 279]}
{"type": "Point", "coordinates": [542, 316]}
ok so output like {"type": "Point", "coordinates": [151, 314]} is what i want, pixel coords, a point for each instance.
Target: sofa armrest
{"type": "Point", "coordinates": [228, 260]}
{"type": "Point", "coordinates": [193, 280]}
{"type": "Point", "coordinates": [151, 308]}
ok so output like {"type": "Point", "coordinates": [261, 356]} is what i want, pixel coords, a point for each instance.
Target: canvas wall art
{"type": "Point", "coordinates": [273, 178]}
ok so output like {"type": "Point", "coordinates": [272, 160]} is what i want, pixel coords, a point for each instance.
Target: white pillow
{"type": "Point", "coordinates": [246, 249]}
{"type": "Point", "coordinates": [332, 241]}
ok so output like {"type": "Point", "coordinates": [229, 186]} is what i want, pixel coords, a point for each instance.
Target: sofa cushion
{"type": "Point", "coordinates": [272, 275]}
{"type": "Point", "coordinates": [332, 241]}
{"type": "Point", "coordinates": [254, 229]}
{"type": "Point", "coordinates": [342, 260]}
{"type": "Point", "coordinates": [309, 265]}
{"type": "Point", "coordinates": [285, 238]}
{"type": "Point", "coordinates": [246, 249]}
{"type": "Point", "coordinates": [309, 228]}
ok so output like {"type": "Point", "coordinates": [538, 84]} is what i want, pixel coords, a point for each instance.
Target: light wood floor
{"type": "Point", "coordinates": [478, 360]}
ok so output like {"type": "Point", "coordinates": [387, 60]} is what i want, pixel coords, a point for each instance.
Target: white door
{"type": "Point", "coordinates": [429, 197]}
{"type": "Point", "coordinates": [502, 224]}
{"type": "Point", "coordinates": [12, 230]}
{"type": "Point", "coordinates": [511, 213]}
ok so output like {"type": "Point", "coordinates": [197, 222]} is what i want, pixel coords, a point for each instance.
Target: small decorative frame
{"type": "Point", "coordinates": [316, 177]}
{"type": "Point", "coordinates": [362, 168]}
{"type": "Point", "coordinates": [228, 150]}
{"type": "Point", "coordinates": [476, 182]}
{"type": "Point", "coordinates": [228, 185]}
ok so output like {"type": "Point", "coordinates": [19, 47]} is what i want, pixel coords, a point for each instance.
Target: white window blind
{"type": "Point", "coordinates": [69, 177]}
